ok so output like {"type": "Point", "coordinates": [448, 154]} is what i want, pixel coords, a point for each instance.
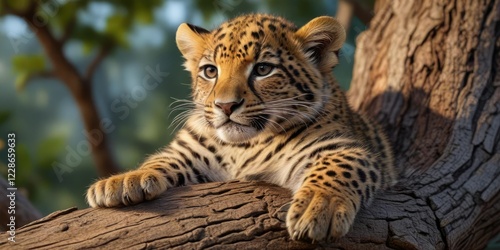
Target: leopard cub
{"type": "Point", "coordinates": [267, 107]}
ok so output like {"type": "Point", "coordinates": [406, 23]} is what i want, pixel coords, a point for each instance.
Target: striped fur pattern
{"type": "Point", "coordinates": [265, 106]}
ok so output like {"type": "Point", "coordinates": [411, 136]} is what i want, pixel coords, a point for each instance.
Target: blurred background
{"type": "Point", "coordinates": [140, 40]}
{"type": "Point", "coordinates": [127, 50]}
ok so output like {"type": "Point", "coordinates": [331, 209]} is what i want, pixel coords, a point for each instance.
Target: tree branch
{"type": "Point", "coordinates": [353, 6]}
{"type": "Point", "coordinates": [344, 13]}
{"type": "Point", "coordinates": [103, 52]}
{"type": "Point", "coordinates": [62, 67]}
{"type": "Point", "coordinates": [68, 30]}
{"type": "Point", "coordinates": [80, 89]}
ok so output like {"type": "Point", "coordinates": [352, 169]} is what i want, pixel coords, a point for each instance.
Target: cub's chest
{"type": "Point", "coordinates": [270, 162]}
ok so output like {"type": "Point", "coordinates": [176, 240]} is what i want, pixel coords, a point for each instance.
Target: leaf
{"type": "Point", "coordinates": [24, 167]}
{"type": "Point", "coordinates": [4, 116]}
{"type": "Point", "coordinates": [28, 63]}
{"type": "Point", "coordinates": [117, 27]}
{"type": "Point", "coordinates": [21, 81]}
{"type": "Point", "coordinates": [49, 150]}
{"type": "Point", "coordinates": [19, 5]}
{"type": "Point", "coordinates": [143, 15]}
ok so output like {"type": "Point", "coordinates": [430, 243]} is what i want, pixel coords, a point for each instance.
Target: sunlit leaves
{"type": "Point", "coordinates": [16, 5]}
{"type": "Point", "coordinates": [117, 28]}
{"type": "Point", "coordinates": [25, 66]}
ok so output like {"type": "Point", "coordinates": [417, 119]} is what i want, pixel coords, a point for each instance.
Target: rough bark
{"type": "Point", "coordinates": [428, 71]}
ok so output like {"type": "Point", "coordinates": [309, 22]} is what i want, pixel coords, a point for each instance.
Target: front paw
{"type": "Point", "coordinates": [126, 189]}
{"type": "Point", "coordinates": [319, 215]}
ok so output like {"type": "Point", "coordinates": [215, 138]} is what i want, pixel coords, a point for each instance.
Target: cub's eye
{"type": "Point", "coordinates": [210, 71]}
{"type": "Point", "coordinates": [262, 69]}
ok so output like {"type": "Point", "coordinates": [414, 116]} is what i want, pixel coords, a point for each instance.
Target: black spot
{"type": "Point", "coordinates": [320, 177]}
{"type": "Point", "coordinates": [212, 149]}
{"type": "Point", "coordinates": [346, 174]}
{"type": "Point", "coordinates": [221, 36]}
{"type": "Point", "coordinates": [205, 159]}
{"type": "Point", "coordinates": [296, 72]}
{"type": "Point", "coordinates": [272, 27]}
{"type": "Point", "coordinates": [326, 183]}
{"type": "Point", "coordinates": [196, 155]}
{"type": "Point", "coordinates": [362, 175]}
{"type": "Point", "coordinates": [367, 193]}
{"type": "Point", "coordinates": [218, 158]}
{"type": "Point", "coordinates": [362, 162]}
{"type": "Point", "coordinates": [354, 204]}
{"type": "Point", "coordinates": [355, 184]}
{"type": "Point", "coordinates": [170, 181]}
{"type": "Point", "coordinates": [268, 157]}
{"type": "Point", "coordinates": [349, 158]}
{"type": "Point", "coordinates": [174, 166]}
{"type": "Point", "coordinates": [341, 183]}
{"type": "Point", "coordinates": [331, 173]}
{"type": "Point", "coordinates": [313, 181]}
{"type": "Point", "coordinates": [373, 176]}
{"type": "Point", "coordinates": [181, 181]}
{"type": "Point", "coordinates": [255, 35]}
{"type": "Point", "coordinates": [162, 170]}
{"type": "Point", "coordinates": [189, 162]}
{"type": "Point", "coordinates": [345, 166]}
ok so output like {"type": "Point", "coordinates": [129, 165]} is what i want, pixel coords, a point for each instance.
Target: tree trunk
{"type": "Point", "coordinates": [426, 70]}
{"type": "Point", "coordinates": [79, 85]}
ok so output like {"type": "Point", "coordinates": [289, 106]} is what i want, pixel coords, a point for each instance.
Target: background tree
{"type": "Point", "coordinates": [426, 70]}
{"type": "Point", "coordinates": [46, 19]}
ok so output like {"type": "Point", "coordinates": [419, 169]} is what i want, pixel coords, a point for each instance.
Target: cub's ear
{"type": "Point", "coordinates": [190, 40]}
{"type": "Point", "coordinates": [321, 40]}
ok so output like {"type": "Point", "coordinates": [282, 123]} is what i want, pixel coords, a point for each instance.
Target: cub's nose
{"type": "Point", "coordinates": [228, 107]}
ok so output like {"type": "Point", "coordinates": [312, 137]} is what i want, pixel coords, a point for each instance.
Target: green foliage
{"type": "Point", "coordinates": [26, 66]}
{"type": "Point", "coordinates": [118, 25]}
{"type": "Point", "coordinates": [28, 63]}
{"type": "Point", "coordinates": [16, 5]}
{"type": "Point", "coordinates": [50, 150]}
{"type": "Point", "coordinates": [4, 116]}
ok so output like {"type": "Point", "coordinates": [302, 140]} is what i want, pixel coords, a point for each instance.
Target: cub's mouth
{"type": "Point", "coordinates": [231, 124]}
{"type": "Point", "coordinates": [234, 132]}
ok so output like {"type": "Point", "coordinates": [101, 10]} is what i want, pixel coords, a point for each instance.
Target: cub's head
{"type": "Point", "coordinates": [259, 74]}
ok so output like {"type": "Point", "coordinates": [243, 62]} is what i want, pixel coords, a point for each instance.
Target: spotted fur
{"type": "Point", "coordinates": [266, 107]}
